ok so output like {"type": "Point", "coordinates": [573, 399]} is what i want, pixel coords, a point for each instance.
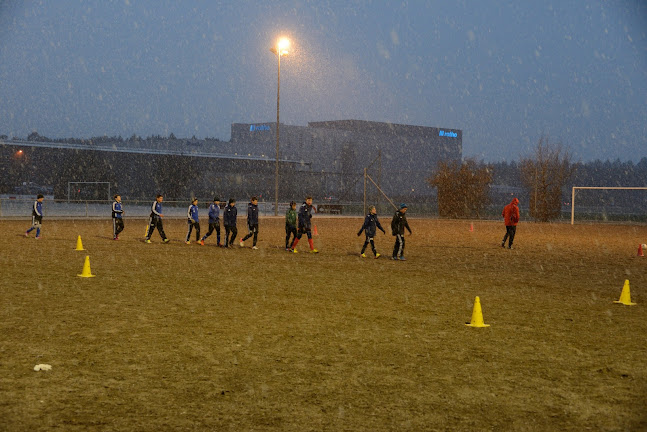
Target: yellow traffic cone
{"type": "Point", "coordinates": [146, 232]}
{"type": "Point", "coordinates": [625, 297]}
{"type": "Point", "coordinates": [477, 315]}
{"type": "Point", "coordinates": [86, 273]}
{"type": "Point", "coordinates": [79, 244]}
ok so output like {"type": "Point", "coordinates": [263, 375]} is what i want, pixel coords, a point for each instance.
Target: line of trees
{"type": "Point", "coordinates": [595, 173]}
{"type": "Point", "coordinates": [545, 177]}
{"type": "Point", "coordinates": [105, 139]}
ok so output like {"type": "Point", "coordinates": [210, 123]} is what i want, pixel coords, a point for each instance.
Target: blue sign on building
{"type": "Point", "coordinates": [253, 128]}
{"type": "Point", "coordinates": [448, 134]}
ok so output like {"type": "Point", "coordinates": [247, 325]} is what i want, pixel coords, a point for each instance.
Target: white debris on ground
{"type": "Point", "coordinates": [42, 367]}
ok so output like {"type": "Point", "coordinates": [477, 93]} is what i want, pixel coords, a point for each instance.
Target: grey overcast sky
{"type": "Point", "coordinates": [505, 72]}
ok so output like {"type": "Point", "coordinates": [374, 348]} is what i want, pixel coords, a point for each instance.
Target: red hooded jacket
{"type": "Point", "coordinates": [510, 213]}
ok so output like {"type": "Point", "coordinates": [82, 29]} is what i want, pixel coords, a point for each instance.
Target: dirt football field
{"type": "Point", "coordinates": [176, 337]}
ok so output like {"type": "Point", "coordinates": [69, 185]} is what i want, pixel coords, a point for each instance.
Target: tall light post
{"type": "Point", "coordinates": [280, 49]}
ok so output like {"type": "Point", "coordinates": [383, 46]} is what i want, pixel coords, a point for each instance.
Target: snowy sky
{"type": "Point", "coordinates": [505, 72]}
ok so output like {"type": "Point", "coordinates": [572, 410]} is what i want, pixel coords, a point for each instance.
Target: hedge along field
{"type": "Point", "coordinates": [188, 337]}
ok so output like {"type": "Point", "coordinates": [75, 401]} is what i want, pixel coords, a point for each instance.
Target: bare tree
{"type": "Point", "coordinates": [463, 188]}
{"type": "Point", "coordinates": [544, 174]}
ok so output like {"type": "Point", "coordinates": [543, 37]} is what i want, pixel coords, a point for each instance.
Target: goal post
{"type": "Point", "coordinates": [366, 176]}
{"type": "Point", "coordinates": [597, 188]}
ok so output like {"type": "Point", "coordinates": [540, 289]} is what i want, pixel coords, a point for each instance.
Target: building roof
{"type": "Point", "coordinates": [114, 149]}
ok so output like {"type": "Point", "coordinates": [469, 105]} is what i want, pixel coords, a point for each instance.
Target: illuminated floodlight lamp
{"type": "Point", "coordinates": [281, 47]}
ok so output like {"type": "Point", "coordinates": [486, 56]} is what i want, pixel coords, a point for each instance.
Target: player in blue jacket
{"type": "Point", "coordinates": [193, 221]}
{"type": "Point", "coordinates": [214, 221]}
{"type": "Point", "coordinates": [155, 220]}
{"type": "Point", "coordinates": [36, 216]}
{"type": "Point", "coordinates": [252, 222]}
{"type": "Point", "coordinates": [371, 223]}
{"type": "Point", "coordinates": [229, 219]}
{"type": "Point", "coordinates": [304, 216]}
{"type": "Point", "coordinates": [117, 217]}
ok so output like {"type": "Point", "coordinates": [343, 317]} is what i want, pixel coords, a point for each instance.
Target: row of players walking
{"type": "Point", "coordinates": [297, 223]}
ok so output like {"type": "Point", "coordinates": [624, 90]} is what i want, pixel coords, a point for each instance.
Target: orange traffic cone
{"type": "Point", "coordinates": [471, 227]}
{"type": "Point", "coordinates": [640, 250]}
{"type": "Point", "coordinates": [315, 232]}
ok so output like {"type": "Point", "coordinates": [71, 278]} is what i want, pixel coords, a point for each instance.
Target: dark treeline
{"type": "Point", "coordinates": [105, 139]}
{"type": "Point", "coordinates": [596, 173]}
{"type": "Point", "coordinates": [592, 174]}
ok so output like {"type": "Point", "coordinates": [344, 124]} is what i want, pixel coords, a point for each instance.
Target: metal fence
{"type": "Point", "coordinates": [21, 208]}
{"type": "Point", "coordinates": [14, 208]}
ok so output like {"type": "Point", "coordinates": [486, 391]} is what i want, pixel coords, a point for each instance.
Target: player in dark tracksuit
{"type": "Point", "coordinates": [155, 220]}
{"type": "Point", "coordinates": [304, 216]}
{"type": "Point", "coordinates": [229, 219]}
{"type": "Point", "coordinates": [36, 216]}
{"type": "Point", "coordinates": [193, 221]}
{"type": "Point", "coordinates": [371, 223]}
{"type": "Point", "coordinates": [398, 224]}
{"type": "Point", "coordinates": [117, 217]}
{"type": "Point", "coordinates": [290, 224]}
{"type": "Point", "coordinates": [252, 222]}
{"type": "Point", "coordinates": [214, 221]}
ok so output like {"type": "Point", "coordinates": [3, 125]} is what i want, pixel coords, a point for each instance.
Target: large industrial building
{"type": "Point", "coordinates": [404, 156]}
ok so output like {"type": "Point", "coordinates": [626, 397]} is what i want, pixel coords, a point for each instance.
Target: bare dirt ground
{"type": "Point", "coordinates": [185, 337]}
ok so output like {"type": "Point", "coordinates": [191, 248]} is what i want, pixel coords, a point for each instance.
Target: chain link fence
{"type": "Point", "coordinates": [21, 208]}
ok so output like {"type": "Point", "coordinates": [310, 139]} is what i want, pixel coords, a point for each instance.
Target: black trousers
{"type": "Point", "coordinates": [117, 226]}
{"type": "Point", "coordinates": [253, 231]}
{"type": "Point", "coordinates": [155, 222]}
{"type": "Point", "coordinates": [192, 225]}
{"type": "Point", "coordinates": [398, 248]}
{"type": "Point", "coordinates": [213, 226]}
{"type": "Point", "coordinates": [290, 231]}
{"type": "Point", "coordinates": [510, 231]}
{"type": "Point", "coordinates": [304, 230]}
{"type": "Point", "coordinates": [234, 232]}
{"type": "Point", "coordinates": [366, 242]}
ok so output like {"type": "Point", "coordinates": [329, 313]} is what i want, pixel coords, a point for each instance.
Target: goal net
{"type": "Point", "coordinates": [609, 203]}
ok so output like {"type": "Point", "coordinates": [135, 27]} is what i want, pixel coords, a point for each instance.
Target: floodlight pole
{"type": "Point", "coordinates": [276, 170]}
{"type": "Point", "coordinates": [279, 50]}
{"type": "Point", "coordinates": [365, 190]}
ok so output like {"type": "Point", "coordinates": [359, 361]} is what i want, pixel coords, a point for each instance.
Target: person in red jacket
{"type": "Point", "coordinates": [510, 215]}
